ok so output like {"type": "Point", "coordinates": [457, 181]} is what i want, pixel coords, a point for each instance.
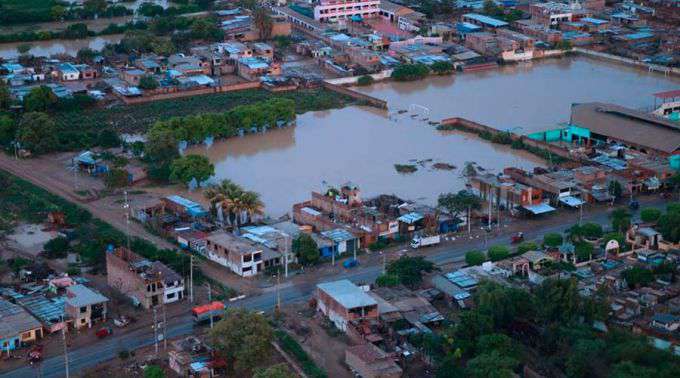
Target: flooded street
{"type": "Point", "coordinates": [533, 95]}
{"type": "Point", "coordinates": [354, 144]}
{"type": "Point", "coordinates": [58, 46]}
{"type": "Point", "coordinates": [362, 144]}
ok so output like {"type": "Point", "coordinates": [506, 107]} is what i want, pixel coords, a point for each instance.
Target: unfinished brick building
{"type": "Point", "coordinates": [134, 277]}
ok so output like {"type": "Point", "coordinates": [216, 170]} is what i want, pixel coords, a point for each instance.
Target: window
{"type": "Point", "coordinates": [26, 335]}
{"type": "Point", "coordinates": [247, 258]}
{"type": "Point", "coordinates": [170, 296]}
{"type": "Point", "coordinates": [82, 321]}
{"type": "Point", "coordinates": [83, 309]}
{"type": "Point", "coordinates": [248, 269]}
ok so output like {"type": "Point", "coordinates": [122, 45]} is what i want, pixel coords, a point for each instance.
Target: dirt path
{"type": "Point", "coordinates": [38, 174]}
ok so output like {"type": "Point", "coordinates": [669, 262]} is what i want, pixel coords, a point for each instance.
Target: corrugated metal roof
{"type": "Point", "coordinates": [80, 295]}
{"type": "Point", "coordinates": [347, 294]}
{"type": "Point", "coordinates": [14, 320]}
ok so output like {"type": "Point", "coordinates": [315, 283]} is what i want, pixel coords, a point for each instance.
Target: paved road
{"type": "Point", "coordinates": [106, 349]}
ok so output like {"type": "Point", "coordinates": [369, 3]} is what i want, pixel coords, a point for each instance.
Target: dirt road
{"type": "Point", "coordinates": [44, 177]}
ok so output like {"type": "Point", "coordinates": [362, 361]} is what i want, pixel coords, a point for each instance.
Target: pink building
{"type": "Point", "coordinates": [335, 10]}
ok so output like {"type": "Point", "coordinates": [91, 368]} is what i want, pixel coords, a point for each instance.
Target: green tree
{"type": "Point", "coordinates": [475, 257]}
{"type": "Point", "coordinates": [86, 55]}
{"type": "Point", "coordinates": [57, 12]}
{"type": "Point", "coordinates": [552, 240]}
{"type": "Point", "coordinates": [189, 167]}
{"type": "Point", "coordinates": [206, 28]}
{"type": "Point", "coordinates": [387, 280]}
{"type": "Point", "coordinates": [306, 249]}
{"type": "Point", "coordinates": [24, 48]}
{"type": "Point", "coordinates": [557, 301]}
{"type": "Point", "coordinates": [410, 269]}
{"type": "Point", "coordinates": [410, 72]}
{"type": "Point", "coordinates": [365, 80]}
{"type": "Point", "coordinates": [161, 145]}
{"type": "Point", "coordinates": [117, 178]}
{"type": "Point", "coordinates": [498, 342]}
{"type": "Point", "coordinates": [581, 359]}
{"type": "Point", "coordinates": [40, 99]}
{"type": "Point", "coordinates": [456, 203]}
{"type": "Point", "coordinates": [242, 338]}
{"type": "Point", "coordinates": [95, 6]}
{"type": "Point", "coordinates": [263, 22]}
{"type": "Point", "coordinates": [591, 230]}
{"type": "Point", "coordinates": [108, 138]}
{"type": "Point", "coordinates": [37, 133]}
{"type": "Point", "coordinates": [442, 67]}
{"type": "Point", "coordinates": [153, 371]}
{"type": "Point", "coordinates": [527, 246]}
{"type": "Point", "coordinates": [491, 365]}
{"type": "Point", "coordinates": [620, 220]}
{"type": "Point", "coordinates": [615, 189]}
{"type": "Point", "coordinates": [148, 82]}
{"type": "Point", "coordinates": [498, 252]}
{"type": "Point", "coordinates": [502, 304]}
{"type": "Point", "coordinates": [5, 96]}
{"type": "Point", "coordinates": [637, 276]}
{"type": "Point", "coordinates": [650, 214]}
{"type": "Point", "coordinates": [277, 371]}
{"type": "Point", "coordinates": [669, 224]}
{"type": "Point", "coordinates": [7, 129]}
{"type": "Point", "coordinates": [628, 369]}
{"type": "Point", "coordinates": [56, 248]}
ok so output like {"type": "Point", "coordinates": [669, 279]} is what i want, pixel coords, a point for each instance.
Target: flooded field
{"type": "Point", "coordinates": [58, 46]}
{"type": "Point", "coordinates": [355, 144]}
{"type": "Point", "coordinates": [362, 144]}
{"type": "Point", "coordinates": [533, 95]}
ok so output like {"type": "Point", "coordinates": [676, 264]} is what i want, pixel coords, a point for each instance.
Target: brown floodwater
{"type": "Point", "coordinates": [533, 95]}
{"type": "Point", "coordinates": [58, 46]}
{"type": "Point", "coordinates": [356, 144]}
{"type": "Point", "coordinates": [361, 144]}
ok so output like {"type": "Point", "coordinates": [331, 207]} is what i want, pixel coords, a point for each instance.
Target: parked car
{"type": "Point", "coordinates": [350, 263]}
{"type": "Point", "coordinates": [103, 332]}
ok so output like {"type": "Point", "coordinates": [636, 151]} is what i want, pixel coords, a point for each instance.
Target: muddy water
{"type": "Point", "coordinates": [362, 144]}
{"type": "Point", "coordinates": [534, 96]}
{"type": "Point", "coordinates": [58, 46]}
{"type": "Point", "coordinates": [354, 144]}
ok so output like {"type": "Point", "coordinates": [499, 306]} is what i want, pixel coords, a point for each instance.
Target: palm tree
{"type": "Point", "coordinates": [251, 204]}
{"type": "Point", "coordinates": [227, 194]}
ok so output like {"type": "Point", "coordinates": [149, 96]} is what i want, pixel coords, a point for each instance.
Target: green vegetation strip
{"type": "Point", "coordinates": [291, 346]}
{"type": "Point", "coordinates": [21, 201]}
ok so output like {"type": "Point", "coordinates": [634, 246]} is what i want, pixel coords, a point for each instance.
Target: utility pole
{"type": "Point", "coordinates": [210, 301]}
{"type": "Point", "coordinates": [286, 238]}
{"type": "Point", "coordinates": [63, 337]}
{"type": "Point", "coordinates": [278, 294]}
{"type": "Point", "coordinates": [165, 327]}
{"type": "Point", "coordinates": [191, 278]}
{"type": "Point", "coordinates": [490, 208]}
{"type": "Point", "coordinates": [469, 220]}
{"type": "Point", "coordinates": [126, 206]}
{"type": "Point", "coordinates": [384, 262]}
{"type": "Point", "coordinates": [155, 332]}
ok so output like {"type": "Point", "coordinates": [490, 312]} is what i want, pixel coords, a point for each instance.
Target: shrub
{"type": "Point", "coordinates": [552, 240]}
{"type": "Point", "coordinates": [116, 178]}
{"type": "Point", "coordinates": [498, 252]}
{"type": "Point", "coordinates": [291, 346]}
{"type": "Point", "coordinates": [56, 248]}
{"type": "Point", "coordinates": [475, 257]}
{"type": "Point", "coordinates": [650, 214]}
{"type": "Point", "coordinates": [442, 68]}
{"type": "Point", "coordinates": [365, 80]}
{"type": "Point", "coordinates": [387, 280]}
{"type": "Point", "coordinates": [405, 168]}
{"type": "Point", "coordinates": [410, 72]}
{"type": "Point", "coordinates": [591, 230]}
{"type": "Point", "coordinates": [527, 246]}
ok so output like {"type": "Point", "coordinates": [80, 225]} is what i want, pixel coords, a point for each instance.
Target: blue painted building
{"type": "Point", "coordinates": [17, 327]}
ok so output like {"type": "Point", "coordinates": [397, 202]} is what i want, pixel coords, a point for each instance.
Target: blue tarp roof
{"type": "Point", "coordinates": [540, 208]}
{"type": "Point", "coordinates": [486, 20]}
{"type": "Point", "coordinates": [571, 201]}
{"type": "Point", "coordinates": [338, 235]}
{"type": "Point", "coordinates": [191, 207]}
{"type": "Point", "coordinates": [410, 218]}
{"type": "Point", "coordinates": [595, 21]}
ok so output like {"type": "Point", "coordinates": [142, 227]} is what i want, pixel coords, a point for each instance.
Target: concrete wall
{"type": "Point", "coordinates": [166, 95]}
{"type": "Point", "coordinates": [620, 59]}
{"type": "Point", "coordinates": [378, 103]}
{"type": "Point", "coordinates": [352, 80]}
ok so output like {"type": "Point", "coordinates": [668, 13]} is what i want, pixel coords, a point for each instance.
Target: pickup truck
{"type": "Point", "coordinates": [425, 241]}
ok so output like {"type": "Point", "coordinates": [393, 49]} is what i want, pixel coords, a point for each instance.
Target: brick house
{"type": "Point", "coordinates": [84, 306]}
{"type": "Point", "coordinates": [240, 255]}
{"type": "Point", "coordinates": [342, 302]}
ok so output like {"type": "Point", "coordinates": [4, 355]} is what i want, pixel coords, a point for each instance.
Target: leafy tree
{"type": "Point", "coordinates": [40, 99]}
{"type": "Point", "coordinates": [591, 230]}
{"type": "Point", "coordinates": [669, 225]}
{"type": "Point", "coordinates": [637, 276]}
{"type": "Point", "coordinates": [472, 325]}
{"type": "Point", "coordinates": [242, 338]}
{"type": "Point", "coordinates": [650, 214]}
{"type": "Point", "coordinates": [95, 6]}
{"type": "Point", "coordinates": [552, 240]}
{"type": "Point", "coordinates": [456, 203]}
{"type": "Point", "coordinates": [37, 133]}
{"type": "Point", "coordinates": [498, 252]}
{"type": "Point", "coordinates": [150, 10]}
{"type": "Point", "coordinates": [498, 342]}
{"type": "Point", "coordinates": [277, 371]}
{"type": "Point", "coordinates": [410, 269]}
{"type": "Point", "coordinates": [24, 48]}
{"type": "Point", "coordinates": [475, 257]}
{"type": "Point", "coordinates": [306, 249]}
{"type": "Point", "coordinates": [410, 72]}
{"type": "Point", "coordinates": [442, 67]}
{"type": "Point", "coordinates": [620, 220]}
{"type": "Point", "coordinates": [5, 96]}
{"type": "Point", "coordinates": [365, 80]}
{"type": "Point", "coordinates": [186, 168]}
{"type": "Point", "coordinates": [206, 28]}
{"type": "Point", "coordinates": [56, 248]}
{"type": "Point", "coordinates": [491, 365]}
{"type": "Point", "coordinates": [76, 31]}
{"type": "Point", "coordinates": [502, 304]}
{"type": "Point", "coordinates": [116, 178]}
{"type": "Point", "coordinates": [628, 369]}
{"type": "Point", "coordinates": [57, 12]}
{"type": "Point", "coordinates": [387, 280]}
{"type": "Point", "coordinates": [615, 189]}
{"type": "Point", "coordinates": [557, 301]}
{"type": "Point", "coordinates": [7, 129]}
{"type": "Point", "coordinates": [263, 22]}
{"type": "Point", "coordinates": [153, 371]}
{"type": "Point", "coordinates": [581, 359]}
{"type": "Point", "coordinates": [527, 246]}
{"type": "Point", "coordinates": [86, 55]}
{"type": "Point", "coordinates": [148, 82]}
